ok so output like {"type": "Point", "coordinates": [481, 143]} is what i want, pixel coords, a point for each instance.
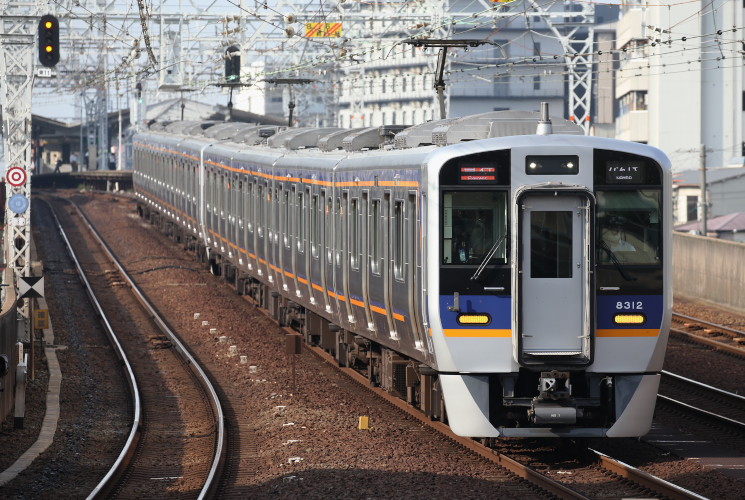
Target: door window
{"type": "Point", "coordinates": [551, 244]}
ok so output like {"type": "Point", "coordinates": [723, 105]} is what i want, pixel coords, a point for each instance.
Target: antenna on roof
{"type": "Point", "coordinates": [544, 125]}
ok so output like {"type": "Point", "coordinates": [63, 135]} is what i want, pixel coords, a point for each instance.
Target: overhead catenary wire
{"type": "Point", "coordinates": [477, 21]}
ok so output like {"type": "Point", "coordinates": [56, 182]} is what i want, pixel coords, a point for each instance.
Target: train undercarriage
{"type": "Point", "coordinates": [529, 398]}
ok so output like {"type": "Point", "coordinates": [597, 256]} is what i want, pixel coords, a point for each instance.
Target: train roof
{"type": "Point", "coordinates": [433, 133]}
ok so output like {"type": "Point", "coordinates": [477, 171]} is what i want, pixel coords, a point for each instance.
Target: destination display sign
{"type": "Point", "coordinates": [478, 174]}
{"type": "Point", "coordinates": [625, 172]}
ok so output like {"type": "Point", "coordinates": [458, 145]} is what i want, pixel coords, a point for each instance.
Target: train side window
{"type": "Point", "coordinates": [628, 226]}
{"type": "Point", "coordinates": [375, 240]}
{"type": "Point", "coordinates": [209, 192]}
{"type": "Point", "coordinates": [328, 230]}
{"type": "Point", "coordinates": [238, 198]}
{"type": "Point", "coordinates": [275, 214]}
{"type": "Point", "coordinates": [315, 226]}
{"type": "Point", "coordinates": [300, 208]}
{"type": "Point", "coordinates": [398, 240]}
{"type": "Point", "coordinates": [248, 206]}
{"type": "Point", "coordinates": [286, 218]}
{"type": "Point", "coordinates": [260, 202]}
{"type": "Point", "coordinates": [226, 187]}
{"type": "Point", "coordinates": [338, 230]}
{"type": "Point", "coordinates": [354, 234]}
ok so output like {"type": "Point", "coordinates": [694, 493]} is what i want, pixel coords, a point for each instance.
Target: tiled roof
{"type": "Point", "coordinates": [713, 175]}
{"type": "Point", "coordinates": [723, 223]}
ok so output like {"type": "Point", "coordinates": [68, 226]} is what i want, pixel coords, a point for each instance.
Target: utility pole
{"type": "Point", "coordinates": [444, 45]}
{"type": "Point", "coordinates": [289, 82]}
{"type": "Point", "coordinates": [703, 204]}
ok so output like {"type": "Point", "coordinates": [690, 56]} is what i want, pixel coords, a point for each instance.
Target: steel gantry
{"type": "Point", "coordinates": [18, 23]}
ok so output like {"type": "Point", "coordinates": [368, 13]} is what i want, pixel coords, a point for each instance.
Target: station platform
{"type": "Point", "coordinates": [102, 180]}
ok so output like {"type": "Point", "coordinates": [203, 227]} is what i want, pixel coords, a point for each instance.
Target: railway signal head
{"type": "Point", "coordinates": [233, 64]}
{"type": "Point", "coordinates": [49, 41]}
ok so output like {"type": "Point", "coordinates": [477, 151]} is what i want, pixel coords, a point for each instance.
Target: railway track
{"type": "Point", "coordinates": [175, 445]}
{"type": "Point", "coordinates": [616, 475]}
{"type": "Point", "coordinates": [719, 337]}
{"type": "Point", "coordinates": [631, 482]}
{"type": "Point", "coordinates": [722, 412]}
{"type": "Point", "coordinates": [722, 406]}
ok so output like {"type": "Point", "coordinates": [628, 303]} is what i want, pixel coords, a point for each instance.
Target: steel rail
{"type": "Point", "coordinates": [209, 488]}
{"type": "Point", "coordinates": [706, 413]}
{"type": "Point", "coordinates": [546, 483]}
{"type": "Point", "coordinates": [708, 323]}
{"type": "Point", "coordinates": [667, 489]}
{"type": "Point", "coordinates": [126, 454]}
{"type": "Point", "coordinates": [730, 349]}
{"type": "Point", "coordinates": [716, 344]}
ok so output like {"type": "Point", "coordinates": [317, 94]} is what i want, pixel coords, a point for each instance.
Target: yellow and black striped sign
{"type": "Point", "coordinates": [323, 30]}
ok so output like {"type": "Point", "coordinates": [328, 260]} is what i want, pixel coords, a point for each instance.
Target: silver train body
{"type": "Point", "coordinates": [510, 283]}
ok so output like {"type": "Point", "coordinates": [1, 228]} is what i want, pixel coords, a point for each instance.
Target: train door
{"type": "Point", "coordinates": [274, 244]}
{"type": "Point", "coordinates": [340, 283]}
{"type": "Point", "coordinates": [262, 211]}
{"type": "Point", "coordinates": [343, 261]}
{"type": "Point", "coordinates": [327, 264]}
{"type": "Point", "coordinates": [281, 196]}
{"type": "Point", "coordinates": [309, 207]}
{"type": "Point", "coordinates": [287, 266]}
{"type": "Point", "coordinates": [379, 277]}
{"type": "Point", "coordinates": [554, 308]}
{"type": "Point", "coordinates": [316, 274]}
{"type": "Point", "coordinates": [233, 192]}
{"type": "Point", "coordinates": [364, 261]}
{"type": "Point", "coordinates": [403, 294]}
{"type": "Point", "coordinates": [248, 213]}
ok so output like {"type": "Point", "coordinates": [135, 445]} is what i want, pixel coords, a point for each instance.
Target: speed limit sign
{"type": "Point", "coordinates": [16, 176]}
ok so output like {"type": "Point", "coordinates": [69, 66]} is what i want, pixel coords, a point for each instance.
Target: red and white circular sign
{"type": "Point", "coordinates": [16, 176]}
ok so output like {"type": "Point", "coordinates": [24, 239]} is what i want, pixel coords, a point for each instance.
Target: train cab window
{"type": "Point", "coordinates": [474, 224]}
{"type": "Point", "coordinates": [629, 226]}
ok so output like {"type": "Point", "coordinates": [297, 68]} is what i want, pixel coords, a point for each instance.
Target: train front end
{"type": "Point", "coordinates": [554, 290]}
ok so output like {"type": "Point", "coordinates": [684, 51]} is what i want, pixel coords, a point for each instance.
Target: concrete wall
{"type": "Point", "coordinates": [709, 269]}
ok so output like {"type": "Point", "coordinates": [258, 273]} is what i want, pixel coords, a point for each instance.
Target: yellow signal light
{"type": "Point", "coordinates": [629, 319]}
{"type": "Point", "coordinates": [48, 25]}
{"type": "Point", "coordinates": [49, 48]}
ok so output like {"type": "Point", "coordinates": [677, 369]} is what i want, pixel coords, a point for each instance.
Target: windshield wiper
{"type": "Point", "coordinates": [614, 259]}
{"type": "Point", "coordinates": [488, 257]}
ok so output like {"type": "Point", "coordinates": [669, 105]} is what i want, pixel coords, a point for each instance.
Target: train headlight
{"type": "Point", "coordinates": [629, 319]}
{"type": "Point", "coordinates": [474, 319]}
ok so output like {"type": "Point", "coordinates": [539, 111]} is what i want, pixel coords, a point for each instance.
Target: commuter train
{"type": "Point", "coordinates": [502, 272]}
